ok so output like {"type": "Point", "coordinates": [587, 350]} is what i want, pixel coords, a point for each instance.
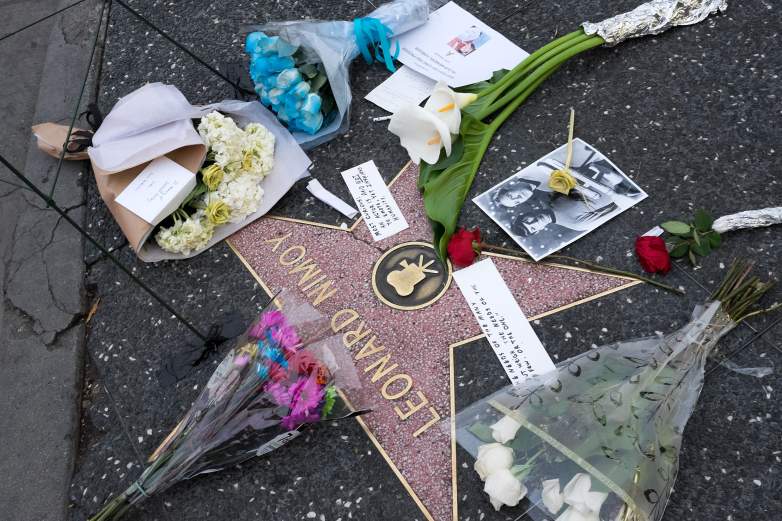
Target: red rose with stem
{"type": "Point", "coordinates": [463, 247]}
{"type": "Point", "coordinates": [653, 254]}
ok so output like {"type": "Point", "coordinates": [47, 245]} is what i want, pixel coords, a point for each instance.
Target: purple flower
{"type": "Point", "coordinates": [280, 393]}
{"type": "Point", "coordinates": [287, 337]}
{"type": "Point", "coordinates": [272, 318]}
{"type": "Point", "coordinates": [306, 395]}
{"type": "Point", "coordinates": [268, 319]}
{"type": "Point", "coordinates": [241, 360]}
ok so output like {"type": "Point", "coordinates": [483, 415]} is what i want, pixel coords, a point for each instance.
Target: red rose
{"type": "Point", "coordinates": [460, 247]}
{"type": "Point", "coordinates": [652, 254]}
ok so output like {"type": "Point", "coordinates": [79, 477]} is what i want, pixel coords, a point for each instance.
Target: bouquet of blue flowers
{"type": "Point", "coordinates": [300, 69]}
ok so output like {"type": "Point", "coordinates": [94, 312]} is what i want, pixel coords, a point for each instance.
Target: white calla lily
{"type": "Point", "coordinates": [493, 457]}
{"type": "Point", "coordinates": [421, 133]}
{"type": "Point", "coordinates": [504, 489]}
{"type": "Point", "coordinates": [552, 497]}
{"type": "Point", "coordinates": [505, 429]}
{"type": "Point", "coordinates": [446, 104]}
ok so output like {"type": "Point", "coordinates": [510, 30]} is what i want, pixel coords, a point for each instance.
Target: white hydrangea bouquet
{"type": "Point", "coordinates": [228, 187]}
{"type": "Point", "coordinates": [243, 159]}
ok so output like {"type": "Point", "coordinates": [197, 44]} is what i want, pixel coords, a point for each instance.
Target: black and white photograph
{"type": "Point", "coordinates": [542, 220]}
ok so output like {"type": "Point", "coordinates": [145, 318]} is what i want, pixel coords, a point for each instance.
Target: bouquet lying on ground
{"type": "Point", "coordinates": [451, 134]}
{"type": "Point", "coordinates": [599, 437]}
{"type": "Point", "coordinates": [300, 68]}
{"type": "Point", "coordinates": [228, 185]}
{"type": "Point", "coordinates": [281, 378]}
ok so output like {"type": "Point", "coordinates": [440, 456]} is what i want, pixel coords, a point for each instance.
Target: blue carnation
{"type": "Point", "coordinates": [312, 103]}
{"type": "Point", "coordinates": [288, 78]}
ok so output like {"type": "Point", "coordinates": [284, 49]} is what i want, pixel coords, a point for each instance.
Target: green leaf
{"type": "Point", "coordinates": [715, 239]}
{"type": "Point", "coordinates": [703, 221]}
{"type": "Point", "coordinates": [309, 70]}
{"type": "Point", "coordinates": [680, 249]}
{"type": "Point", "coordinates": [696, 237]}
{"type": "Point", "coordinates": [675, 227]}
{"type": "Point", "coordinates": [702, 248]}
{"type": "Point", "coordinates": [444, 194]}
{"type": "Point", "coordinates": [427, 172]}
{"type": "Point", "coordinates": [318, 82]}
{"type": "Point", "coordinates": [481, 431]}
{"type": "Point", "coordinates": [692, 258]}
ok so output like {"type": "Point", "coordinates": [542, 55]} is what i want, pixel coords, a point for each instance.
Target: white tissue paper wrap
{"type": "Point", "coordinates": [157, 118]}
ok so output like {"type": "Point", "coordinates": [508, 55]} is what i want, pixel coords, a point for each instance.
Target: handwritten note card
{"type": "Point", "coordinates": [158, 190]}
{"type": "Point", "coordinates": [507, 329]}
{"type": "Point", "coordinates": [404, 87]}
{"type": "Point", "coordinates": [374, 201]}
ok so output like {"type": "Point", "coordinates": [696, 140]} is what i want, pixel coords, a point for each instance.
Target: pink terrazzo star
{"type": "Point", "coordinates": [404, 358]}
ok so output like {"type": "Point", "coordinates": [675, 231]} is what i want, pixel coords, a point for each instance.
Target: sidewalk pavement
{"type": "Point", "coordinates": [41, 273]}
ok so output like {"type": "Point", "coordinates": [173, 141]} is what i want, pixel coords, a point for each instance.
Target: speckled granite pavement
{"type": "Point", "coordinates": [691, 115]}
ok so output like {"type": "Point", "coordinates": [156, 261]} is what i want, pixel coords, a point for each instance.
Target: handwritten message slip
{"type": "Point", "coordinates": [374, 200]}
{"type": "Point", "coordinates": [507, 329]}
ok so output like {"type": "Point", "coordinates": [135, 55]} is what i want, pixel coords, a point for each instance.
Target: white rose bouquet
{"type": "Point", "coordinates": [599, 438]}
{"type": "Point", "coordinates": [228, 188]}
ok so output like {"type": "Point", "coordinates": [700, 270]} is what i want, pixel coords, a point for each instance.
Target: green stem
{"type": "Point", "coordinates": [526, 64]}
{"type": "Point", "coordinates": [592, 265]}
{"type": "Point", "coordinates": [512, 98]}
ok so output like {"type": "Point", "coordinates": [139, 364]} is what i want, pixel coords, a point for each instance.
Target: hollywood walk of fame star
{"type": "Point", "coordinates": [404, 356]}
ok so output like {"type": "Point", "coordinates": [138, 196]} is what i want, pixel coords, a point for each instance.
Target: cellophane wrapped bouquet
{"type": "Point", "coordinates": [599, 438]}
{"type": "Point", "coordinates": [300, 68]}
{"type": "Point", "coordinates": [281, 378]}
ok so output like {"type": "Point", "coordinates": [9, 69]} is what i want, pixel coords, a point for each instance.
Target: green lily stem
{"type": "Point", "coordinates": [527, 64]}
{"type": "Point", "coordinates": [592, 265]}
{"type": "Point", "coordinates": [512, 99]}
{"type": "Point", "coordinates": [530, 64]}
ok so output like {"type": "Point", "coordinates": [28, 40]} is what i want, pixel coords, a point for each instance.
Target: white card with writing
{"type": "Point", "coordinates": [374, 200]}
{"type": "Point", "coordinates": [404, 87]}
{"type": "Point", "coordinates": [507, 329]}
{"type": "Point", "coordinates": [157, 190]}
{"type": "Point", "coordinates": [455, 47]}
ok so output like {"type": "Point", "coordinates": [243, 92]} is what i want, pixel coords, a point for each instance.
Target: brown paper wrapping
{"type": "Point", "coordinates": [110, 184]}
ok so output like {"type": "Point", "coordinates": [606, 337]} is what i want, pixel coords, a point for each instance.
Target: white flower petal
{"type": "Point", "coordinates": [421, 133]}
{"type": "Point", "coordinates": [578, 495]}
{"type": "Point", "coordinates": [505, 429]}
{"type": "Point", "coordinates": [552, 498]}
{"type": "Point", "coordinates": [492, 457]}
{"type": "Point", "coordinates": [465, 98]}
{"type": "Point", "coordinates": [504, 489]}
{"type": "Point", "coordinates": [595, 500]}
{"type": "Point", "coordinates": [444, 104]}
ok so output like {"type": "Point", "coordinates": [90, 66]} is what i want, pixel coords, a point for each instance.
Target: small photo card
{"type": "Point", "coordinates": [543, 221]}
{"type": "Point", "coordinates": [455, 47]}
{"type": "Point", "coordinates": [510, 334]}
{"type": "Point", "coordinates": [157, 190]}
{"type": "Point", "coordinates": [374, 200]}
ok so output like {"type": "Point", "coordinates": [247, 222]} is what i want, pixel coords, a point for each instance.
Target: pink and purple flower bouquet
{"type": "Point", "coordinates": [281, 377]}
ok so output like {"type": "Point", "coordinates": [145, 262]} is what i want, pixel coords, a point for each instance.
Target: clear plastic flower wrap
{"type": "Point", "coordinates": [282, 377]}
{"type": "Point", "coordinates": [300, 68]}
{"type": "Point", "coordinates": [599, 437]}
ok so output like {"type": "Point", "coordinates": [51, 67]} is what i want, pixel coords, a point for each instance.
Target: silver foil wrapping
{"type": "Point", "coordinates": [653, 18]}
{"type": "Point", "coordinates": [749, 219]}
